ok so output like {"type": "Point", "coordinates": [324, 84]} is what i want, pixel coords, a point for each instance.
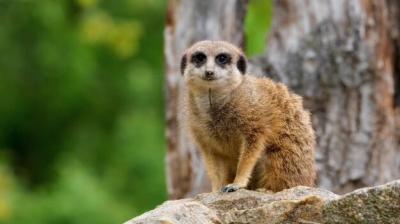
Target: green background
{"type": "Point", "coordinates": [82, 107]}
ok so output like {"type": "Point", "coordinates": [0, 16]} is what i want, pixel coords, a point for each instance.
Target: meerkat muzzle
{"type": "Point", "coordinates": [209, 75]}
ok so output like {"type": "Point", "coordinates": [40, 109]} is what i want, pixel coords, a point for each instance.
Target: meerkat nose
{"type": "Point", "coordinates": [209, 74]}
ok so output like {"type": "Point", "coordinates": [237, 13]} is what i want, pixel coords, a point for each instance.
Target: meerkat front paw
{"type": "Point", "coordinates": [230, 188]}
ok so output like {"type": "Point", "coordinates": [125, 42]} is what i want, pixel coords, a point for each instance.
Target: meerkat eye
{"type": "Point", "coordinates": [199, 58]}
{"type": "Point", "coordinates": [223, 59]}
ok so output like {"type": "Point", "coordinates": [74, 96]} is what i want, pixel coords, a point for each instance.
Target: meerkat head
{"type": "Point", "coordinates": [213, 64]}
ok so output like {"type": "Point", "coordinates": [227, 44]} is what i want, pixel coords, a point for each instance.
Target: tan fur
{"type": "Point", "coordinates": [252, 132]}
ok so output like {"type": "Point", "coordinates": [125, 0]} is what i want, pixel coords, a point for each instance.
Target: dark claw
{"type": "Point", "coordinates": [230, 188]}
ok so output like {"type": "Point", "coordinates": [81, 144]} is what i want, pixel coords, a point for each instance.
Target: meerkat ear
{"type": "Point", "coordinates": [183, 63]}
{"type": "Point", "coordinates": [242, 64]}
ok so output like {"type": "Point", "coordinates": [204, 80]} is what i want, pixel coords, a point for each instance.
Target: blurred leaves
{"type": "Point", "coordinates": [6, 186]}
{"type": "Point", "coordinates": [87, 3]}
{"type": "Point", "coordinates": [257, 23]}
{"type": "Point", "coordinates": [121, 37]}
{"type": "Point", "coordinates": [81, 110]}
{"type": "Point", "coordinates": [77, 197]}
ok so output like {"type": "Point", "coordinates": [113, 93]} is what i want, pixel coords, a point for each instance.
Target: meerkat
{"type": "Point", "coordinates": [252, 132]}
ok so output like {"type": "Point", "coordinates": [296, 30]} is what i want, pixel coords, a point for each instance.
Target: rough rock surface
{"type": "Point", "coordinates": [296, 204]}
{"type": "Point", "coordinates": [379, 204]}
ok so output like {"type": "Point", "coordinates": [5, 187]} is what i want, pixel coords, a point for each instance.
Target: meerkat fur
{"type": "Point", "coordinates": [252, 132]}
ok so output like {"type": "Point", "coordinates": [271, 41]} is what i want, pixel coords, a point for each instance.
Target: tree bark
{"type": "Point", "coordinates": [343, 57]}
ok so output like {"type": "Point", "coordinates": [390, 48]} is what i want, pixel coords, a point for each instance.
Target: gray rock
{"type": "Point", "coordinates": [300, 204]}
{"type": "Point", "coordinates": [379, 204]}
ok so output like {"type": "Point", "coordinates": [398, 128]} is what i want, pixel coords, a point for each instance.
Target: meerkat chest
{"type": "Point", "coordinates": [223, 121]}
{"type": "Point", "coordinates": [223, 126]}
{"type": "Point", "coordinates": [219, 123]}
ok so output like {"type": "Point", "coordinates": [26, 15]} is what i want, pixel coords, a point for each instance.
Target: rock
{"type": "Point", "coordinates": [178, 211]}
{"type": "Point", "coordinates": [300, 204]}
{"type": "Point", "coordinates": [379, 204]}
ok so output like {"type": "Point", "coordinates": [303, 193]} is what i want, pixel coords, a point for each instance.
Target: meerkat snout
{"type": "Point", "coordinates": [209, 75]}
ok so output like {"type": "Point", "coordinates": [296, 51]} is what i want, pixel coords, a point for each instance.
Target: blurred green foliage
{"type": "Point", "coordinates": [257, 23]}
{"type": "Point", "coordinates": [81, 112]}
{"type": "Point", "coordinates": [81, 107]}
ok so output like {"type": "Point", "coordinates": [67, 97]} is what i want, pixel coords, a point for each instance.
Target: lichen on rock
{"type": "Point", "coordinates": [379, 204]}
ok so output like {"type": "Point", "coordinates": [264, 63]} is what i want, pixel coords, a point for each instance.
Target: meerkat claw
{"type": "Point", "coordinates": [230, 188]}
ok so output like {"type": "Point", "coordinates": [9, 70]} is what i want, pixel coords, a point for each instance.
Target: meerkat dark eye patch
{"type": "Point", "coordinates": [223, 59]}
{"type": "Point", "coordinates": [242, 64]}
{"type": "Point", "coordinates": [198, 59]}
{"type": "Point", "coordinates": [183, 63]}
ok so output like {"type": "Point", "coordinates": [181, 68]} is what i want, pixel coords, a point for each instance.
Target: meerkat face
{"type": "Point", "coordinates": [210, 64]}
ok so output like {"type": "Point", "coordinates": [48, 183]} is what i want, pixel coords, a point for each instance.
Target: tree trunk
{"type": "Point", "coordinates": [343, 57]}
